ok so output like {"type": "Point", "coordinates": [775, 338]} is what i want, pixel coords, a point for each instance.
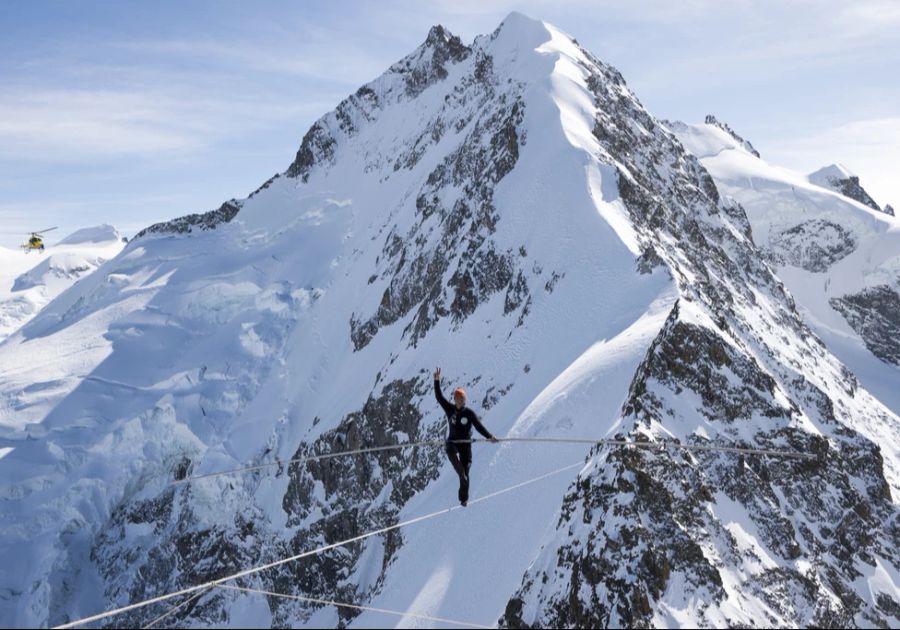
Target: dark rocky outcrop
{"type": "Point", "coordinates": [453, 235]}
{"type": "Point", "coordinates": [813, 245]}
{"type": "Point", "coordinates": [850, 187]}
{"type": "Point", "coordinates": [335, 499]}
{"type": "Point", "coordinates": [187, 224]}
{"type": "Point", "coordinates": [874, 314]}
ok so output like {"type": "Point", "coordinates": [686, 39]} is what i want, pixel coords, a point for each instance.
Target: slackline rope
{"type": "Point", "coordinates": [305, 554]}
{"type": "Point", "coordinates": [356, 606]}
{"type": "Point", "coordinates": [175, 609]}
{"type": "Point", "coordinates": [390, 447]}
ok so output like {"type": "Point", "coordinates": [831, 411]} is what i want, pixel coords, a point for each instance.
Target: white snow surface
{"type": "Point", "coordinates": [777, 199]}
{"type": "Point", "coordinates": [225, 343]}
{"type": "Point", "coordinates": [232, 346]}
{"type": "Point", "coordinates": [30, 280]}
{"type": "Point", "coordinates": [96, 234]}
{"type": "Point", "coordinates": [824, 175]}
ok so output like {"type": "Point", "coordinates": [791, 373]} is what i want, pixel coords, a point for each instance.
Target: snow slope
{"type": "Point", "coordinates": [234, 345]}
{"type": "Point", "coordinates": [506, 210]}
{"type": "Point", "coordinates": [25, 287]}
{"type": "Point", "coordinates": [824, 246]}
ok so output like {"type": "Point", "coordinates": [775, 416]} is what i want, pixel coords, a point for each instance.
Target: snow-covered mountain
{"type": "Point", "coordinates": [838, 177]}
{"type": "Point", "coordinates": [840, 260]}
{"type": "Point", "coordinates": [26, 285]}
{"type": "Point", "coordinates": [507, 210]}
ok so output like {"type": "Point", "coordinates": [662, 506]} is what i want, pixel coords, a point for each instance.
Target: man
{"type": "Point", "coordinates": [461, 419]}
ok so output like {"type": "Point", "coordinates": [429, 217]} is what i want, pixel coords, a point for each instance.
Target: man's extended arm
{"type": "Point", "coordinates": [445, 405]}
{"type": "Point", "coordinates": [480, 427]}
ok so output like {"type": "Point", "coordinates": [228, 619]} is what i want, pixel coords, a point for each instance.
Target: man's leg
{"type": "Point", "coordinates": [465, 457]}
{"type": "Point", "coordinates": [453, 452]}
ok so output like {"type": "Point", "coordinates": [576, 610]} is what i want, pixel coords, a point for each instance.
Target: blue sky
{"type": "Point", "coordinates": [130, 113]}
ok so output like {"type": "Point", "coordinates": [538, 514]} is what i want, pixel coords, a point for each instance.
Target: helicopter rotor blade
{"type": "Point", "coordinates": [47, 230]}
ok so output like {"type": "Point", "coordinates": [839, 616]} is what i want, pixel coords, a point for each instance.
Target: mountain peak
{"type": "Point", "coordinates": [96, 234]}
{"type": "Point", "coordinates": [441, 38]}
{"type": "Point", "coordinates": [519, 22]}
{"type": "Point", "coordinates": [836, 170]}
{"type": "Point", "coordinates": [839, 178]}
{"type": "Point", "coordinates": [425, 214]}
{"type": "Point", "coordinates": [712, 120]}
{"type": "Point", "coordinates": [521, 28]}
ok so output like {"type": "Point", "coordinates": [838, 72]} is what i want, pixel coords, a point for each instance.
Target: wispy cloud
{"type": "Point", "coordinates": [80, 124]}
{"type": "Point", "coordinates": [75, 124]}
{"type": "Point", "coordinates": [331, 60]}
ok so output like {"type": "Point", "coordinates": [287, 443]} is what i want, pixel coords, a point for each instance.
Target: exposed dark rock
{"type": "Point", "coordinates": [417, 264]}
{"type": "Point", "coordinates": [172, 551]}
{"type": "Point", "coordinates": [641, 517]}
{"type": "Point", "coordinates": [698, 359]}
{"type": "Point", "coordinates": [440, 48]}
{"type": "Point", "coordinates": [265, 185]}
{"type": "Point", "coordinates": [649, 260]}
{"type": "Point", "coordinates": [850, 187]}
{"type": "Point", "coordinates": [874, 314]}
{"type": "Point", "coordinates": [317, 146]}
{"type": "Point", "coordinates": [186, 224]}
{"type": "Point", "coordinates": [813, 245]}
{"type": "Point", "coordinates": [425, 66]}
{"type": "Point", "coordinates": [355, 494]}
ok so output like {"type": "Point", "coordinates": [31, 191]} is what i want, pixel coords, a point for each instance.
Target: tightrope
{"type": "Point", "coordinates": [305, 554]}
{"type": "Point", "coordinates": [175, 609]}
{"type": "Point", "coordinates": [600, 442]}
{"type": "Point", "coordinates": [329, 602]}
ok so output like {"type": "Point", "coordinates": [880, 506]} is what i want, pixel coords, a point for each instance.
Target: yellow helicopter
{"type": "Point", "coordinates": [36, 241]}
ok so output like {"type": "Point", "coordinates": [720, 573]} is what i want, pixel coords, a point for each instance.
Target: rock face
{"type": "Point", "coordinates": [874, 314]}
{"type": "Point", "coordinates": [417, 261]}
{"type": "Point", "coordinates": [206, 221]}
{"type": "Point", "coordinates": [644, 529]}
{"type": "Point", "coordinates": [511, 210]}
{"type": "Point", "coordinates": [358, 494]}
{"type": "Point", "coordinates": [813, 245]}
{"type": "Point", "coordinates": [714, 373]}
{"type": "Point", "coordinates": [851, 188]}
{"type": "Point", "coordinates": [838, 178]}
{"type": "Point", "coordinates": [824, 246]}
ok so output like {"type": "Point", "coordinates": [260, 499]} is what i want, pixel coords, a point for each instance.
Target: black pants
{"type": "Point", "coordinates": [461, 458]}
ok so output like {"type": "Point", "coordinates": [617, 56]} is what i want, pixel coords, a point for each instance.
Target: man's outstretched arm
{"type": "Point", "coordinates": [445, 405]}
{"type": "Point", "coordinates": [480, 428]}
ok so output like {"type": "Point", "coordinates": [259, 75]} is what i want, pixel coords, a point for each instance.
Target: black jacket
{"type": "Point", "coordinates": [460, 421]}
